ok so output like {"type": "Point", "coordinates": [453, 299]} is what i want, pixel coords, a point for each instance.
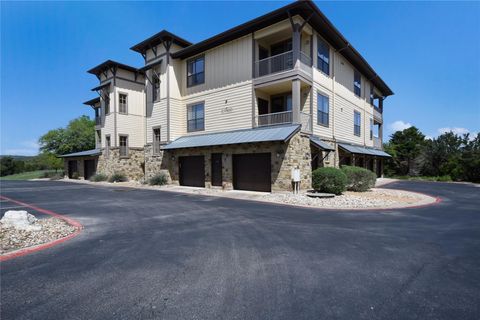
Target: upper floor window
{"type": "Point", "coordinates": [357, 83]}
{"type": "Point", "coordinates": [371, 129]}
{"type": "Point", "coordinates": [195, 71]}
{"type": "Point", "coordinates": [372, 95]}
{"type": "Point", "coordinates": [155, 87]}
{"type": "Point", "coordinates": [195, 117]}
{"type": "Point", "coordinates": [357, 123]}
{"type": "Point", "coordinates": [322, 109]}
{"type": "Point", "coordinates": [123, 145]}
{"type": "Point", "coordinates": [107, 104]}
{"type": "Point", "coordinates": [323, 56]}
{"type": "Point", "coordinates": [156, 141]}
{"type": "Point", "coordinates": [122, 103]}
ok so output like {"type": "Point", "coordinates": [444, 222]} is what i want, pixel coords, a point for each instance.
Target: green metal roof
{"type": "Point", "coordinates": [321, 144]}
{"type": "Point", "coordinates": [93, 152]}
{"type": "Point", "coordinates": [363, 150]}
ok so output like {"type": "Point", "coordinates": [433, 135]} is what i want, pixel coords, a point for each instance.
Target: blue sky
{"type": "Point", "coordinates": [428, 53]}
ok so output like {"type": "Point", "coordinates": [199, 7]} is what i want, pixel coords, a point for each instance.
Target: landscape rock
{"type": "Point", "coordinates": [20, 220]}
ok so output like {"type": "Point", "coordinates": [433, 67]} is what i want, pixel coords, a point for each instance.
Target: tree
{"type": "Point", "coordinates": [469, 161]}
{"type": "Point", "coordinates": [79, 135]}
{"type": "Point", "coordinates": [440, 156]}
{"type": "Point", "coordinates": [405, 148]}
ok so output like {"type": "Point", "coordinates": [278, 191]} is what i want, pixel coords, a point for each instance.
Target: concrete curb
{"type": "Point", "coordinates": [43, 246]}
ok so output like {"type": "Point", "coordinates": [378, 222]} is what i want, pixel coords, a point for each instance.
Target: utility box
{"type": "Point", "coordinates": [296, 175]}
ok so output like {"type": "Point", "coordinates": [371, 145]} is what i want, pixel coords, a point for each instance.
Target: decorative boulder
{"type": "Point", "coordinates": [21, 220]}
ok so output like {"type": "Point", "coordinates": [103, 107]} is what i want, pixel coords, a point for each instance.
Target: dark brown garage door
{"type": "Point", "coordinates": [192, 171]}
{"type": "Point", "coordinates": [252, 171]}
{"type": "Point", "coordinates": [88, 168]}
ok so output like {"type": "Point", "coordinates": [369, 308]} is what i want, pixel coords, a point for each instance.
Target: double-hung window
{"type": "Point", "coordinates": [195, 71]}
{"type": "Point", "coordinates": [371, 129]}
{"type": "Point", "coordinates": [196, 117]}
{"type": "Point", "coordinates": [156, 141]}
{"type": "Point", "coordinates": [122, 103]}
{"type": "Point", "coordinates": [323, 56]}
{"type": "Point", "coordinates": [155, 88]}
{"type": "Point", "coordinates": [322, 110]}
{"type": "Point", "coordinates": [357, 83]}
{"type": "Point", "coordinates": [357, 123]}
{"type": "Point", "coordinates": [123, 145]}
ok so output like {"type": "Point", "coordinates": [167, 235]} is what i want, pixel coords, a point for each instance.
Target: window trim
{"type": "Point", "coordinates": [126, 102]}
{"type": "Point", "coordinates": [359, 87]}
{"type": "Point", "coordinates": [326, 125]}
{"type": "Point", "coordinates": [321, 40]}
{"type": "Point", "coordinates": [159, 128]}
{"type": "Point", "coordinates": [120, 136]}
{"type": "Point", "coordinates": [194, 59]}
{"type": "Point", "coordinates": [194, 104]}
{"type": "Point", "coordinates": [355, 112]}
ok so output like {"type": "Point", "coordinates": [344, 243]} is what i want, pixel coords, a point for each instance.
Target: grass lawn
{"type": "Point", "coordinates": [26, 175]}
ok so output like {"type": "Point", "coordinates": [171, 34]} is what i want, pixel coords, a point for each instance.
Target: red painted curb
{"type": "Point", "coordinates": [22, 252]}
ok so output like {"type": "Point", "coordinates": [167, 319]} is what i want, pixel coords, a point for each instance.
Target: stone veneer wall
{"type": "Point", "coordinates": [284, 156]}
{"type": "Point", "coordinates": [132, 166]}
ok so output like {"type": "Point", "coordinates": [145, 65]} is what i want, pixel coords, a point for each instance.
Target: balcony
{"type": "Point", "coordinates": [377, 114]}
{"type": "Point", "coordinates": [98, 121]}
{"type": "Point", "coordinates": [377, 143]}
{"type": "Point", "coordinates": [281, 62]}
{"type": "Point", "coordinates": [284, 117]}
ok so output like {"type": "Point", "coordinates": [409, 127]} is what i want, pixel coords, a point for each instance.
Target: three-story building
{"type": "Point", "coordinates": [243, 108]}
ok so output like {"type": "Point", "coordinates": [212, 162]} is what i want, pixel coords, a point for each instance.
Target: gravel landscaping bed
{"type": "Point", "coordinates": [12, 238]}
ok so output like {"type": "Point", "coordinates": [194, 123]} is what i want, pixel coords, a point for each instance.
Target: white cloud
{"type": "Point", "coordinates": [399, 125]}
{"type": "Point", "coordinates": [459, 131]}
{"type": "Point", "coordinates": [26, 148]}
{"type": "Point", "coordinates": [429, 137]}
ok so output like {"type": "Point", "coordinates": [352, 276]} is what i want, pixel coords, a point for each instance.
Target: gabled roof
{"type": "Point", "coordinates": [109, 64]}
{"type": "Point", "coordinates": [272, 133]}
{"type": "Point", "coordinates": [306, 9]}
{"type": "Point", "coordinates": [92, 102]}
{"type": "Point", "coordinates": [159, 38]}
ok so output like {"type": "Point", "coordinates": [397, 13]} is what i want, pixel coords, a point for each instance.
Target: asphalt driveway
{"type": "Point", "coordinates": [160, 255]}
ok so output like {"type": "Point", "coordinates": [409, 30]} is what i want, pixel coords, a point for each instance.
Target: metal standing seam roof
{"type": "Point", "coordinates": [263, 134]}
{"type": "Point", "coordinates": [363, 150]}
{"type": "Point", "coordinates": [92, 152]}
{"type": "Point", "coordinates": [321, 144]}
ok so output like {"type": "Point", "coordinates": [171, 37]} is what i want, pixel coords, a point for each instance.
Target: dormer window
{"type": "Point", "coordinates": [195, 71]}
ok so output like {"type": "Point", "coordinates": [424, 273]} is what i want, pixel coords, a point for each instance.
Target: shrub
{"type": "Point", "coordinates": [75, 175]}
{"type": "Point", "coordinates": [99, 177]}
{"type": "Point", "coordinates": [359, 179]}
{"type": "Point", "coordinates": [159, 179]}
{"type": "Point", "coordinates": [329, 180]}
{"type": "Point", "coordinates": [118, 177]}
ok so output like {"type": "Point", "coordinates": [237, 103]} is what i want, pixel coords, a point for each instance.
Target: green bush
{"type": "Point", "coordinates": [118, 177]}
{"type": "Point", "coordinates": [329, 180]}
{"type": "Point", "coordinates": [359, 179]}
{"type": "Point", "coordinates": [75, 175]}
{"type": "Point", "coordinates": [159, 179]}
{"type": "Point", "coordinates": [54, 175]}
{"type": "Point", "coordinates": [99, 177]}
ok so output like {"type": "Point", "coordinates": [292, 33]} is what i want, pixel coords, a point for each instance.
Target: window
{"type": "Point", "coordinates": [323, 56]}
{"type": "Point", "coordinates": [357, 83]}
{"type": "Point", "coordinates": [371, 129]}
{"type": "Point", "coordinates": [356, 123]}
{"type": "Point", "coordinates": [156, 141]}
{"type": "Point", "coordinates": [107, 146]}
{"type": "Point", "coordinates": [123, 145]}
{"type": "Point", "coordinates": [155, 88]}
{"type": "Point", "coordinates": [322, 109]}
{"type": "Point", "coordinates": [195, 117]}
{"type": "Point", "coordinates": [196, 71]}
{"type": "Point", "coordinates": [107, 104]}
{"type": "Point", "coordinates": [372, 96]}
{"type": "Point", "coordinates": [122, 101]}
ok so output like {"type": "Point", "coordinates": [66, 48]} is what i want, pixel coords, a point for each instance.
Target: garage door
{"type": "Point", "coordinates": [88, 168]}
{"type": "Point", "coordinates": [252, 171]}
{"type": "Point", "coordinates": [192, 171]}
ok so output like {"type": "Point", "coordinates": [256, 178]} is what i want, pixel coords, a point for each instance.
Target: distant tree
{"type": "Point", "coordinates": [48, 161]}
{"type": "Point", "coordinates": [441, 155]}
{"type": "Point", "coordinates": [469, 161]}
{"type": "Point", "coordinates": [405, 147]}
{"type": "Point", "coordinates": [9, 165]}
{"type": "Point", "coordinates": [79, 135]}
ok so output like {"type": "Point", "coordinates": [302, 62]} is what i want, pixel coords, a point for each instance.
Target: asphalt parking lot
{"type": "Point", "coordinates": [159, 255]}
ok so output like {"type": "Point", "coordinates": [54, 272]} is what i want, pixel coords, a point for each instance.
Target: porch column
{"type": "Point", "coordinates": [380, 134]}
{"type": "Point", "coordinates": [296, 100]}
{"type": "Point", "coordinates": [296, 43]}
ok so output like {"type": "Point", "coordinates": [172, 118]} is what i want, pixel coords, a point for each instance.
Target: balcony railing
{"type": "Point", "coordinates": [306, 59]}
{"type": "Point", "coordinates": [270, 119]}
{"type": "Point", "coordinates": [306, 120]}
{"type": "Point", "coordinates": [377, 114]}
{"type": "Point", "coordinates": [377, 142]}
{"type": "Point", "coordinates": [98, 121]}
{"type": "Point", "coordinates": [274, 64]}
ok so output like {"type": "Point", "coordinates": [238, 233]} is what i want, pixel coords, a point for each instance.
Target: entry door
{"type": "Point", "coordinates": [89, 168]}
{"type": "Point", "coordinates": [192, 171]}
{"type": "Point", "coordinates": [72, 167]}
{"type": "Point", "coordinates": [217, 169]}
